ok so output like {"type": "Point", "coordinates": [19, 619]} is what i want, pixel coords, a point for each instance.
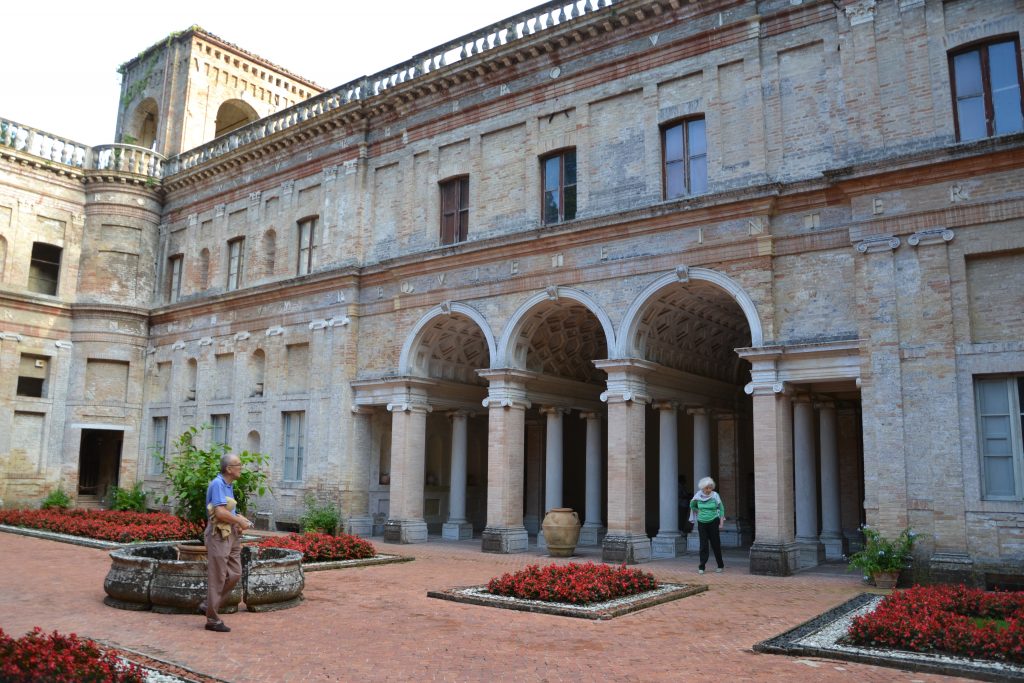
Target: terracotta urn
{"type": "Point", "coordinates": [561, 531]}
{"type": "Point", "coordinates": [885, 580]}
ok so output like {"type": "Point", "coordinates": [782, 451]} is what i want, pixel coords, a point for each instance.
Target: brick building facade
{"type": "Point", "coordinates": [582, 257]}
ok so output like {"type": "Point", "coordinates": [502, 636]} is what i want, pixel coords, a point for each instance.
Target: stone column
{"type": "Point", "coordinates": [774, 551]}
{"type": "Point", "coordinates": [534, 476]}
{"type": "Point", "coordinates": [728, 479]}
{"type": "Point", "coordinates": [701, 459]}
{"type": "Point", "coordinates": [458, 528]}
{"type": "Point", "coordinates": [831, 528]}
{"type": "Point", "coordinates": [408, 462]}
{"type": "Point", "coordinates": [552, 464]}
{"type": "Point", "coordinates": [806, 483]}
{"type": "Point", "coordinates": [592, 529]}
{"type": "Point", "coordinates": [627, 399]}
{"type": "Point", "coordinates": [669, 542]}
{"type": "Point", "coordinates": [506, 405]}
{"type": "Point", "coordinates": [356, 498]}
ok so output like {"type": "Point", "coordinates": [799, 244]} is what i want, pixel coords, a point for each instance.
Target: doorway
{"type": "Point", "coordinates": [99, 463]}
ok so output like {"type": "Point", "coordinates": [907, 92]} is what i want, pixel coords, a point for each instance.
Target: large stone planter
{"type": "Point", "coordinates": [150, 577]}
{"type": "Point", "coordinates": [561, 531]}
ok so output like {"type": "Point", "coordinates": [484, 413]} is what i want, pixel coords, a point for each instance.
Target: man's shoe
{"type": "Point", "coordinates": [218, 626]}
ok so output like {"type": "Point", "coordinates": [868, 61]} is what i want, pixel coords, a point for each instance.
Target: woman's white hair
{"type": "Point", "coordinates": [706, 481]}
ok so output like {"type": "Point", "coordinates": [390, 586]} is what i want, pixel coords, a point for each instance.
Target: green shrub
{"type": "Point", "coordinates": [132, 500]}
{"type": "Point", "coordinates": [320, 516]}
{"type": "Point", "coordinates": [57, 499]}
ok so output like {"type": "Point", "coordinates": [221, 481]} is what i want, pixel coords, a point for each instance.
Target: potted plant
{"type": "Point", "coordinates": [320, 517]}
{"type": "Point", "coordinates": [882, 559]}
{"type": "Point", "coordinates": [190, 469]}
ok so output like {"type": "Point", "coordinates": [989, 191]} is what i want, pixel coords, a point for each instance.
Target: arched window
{"type": "Point", "coordinates": [141, 129]}
{"type": "Point", "coordinates": [232, 115]}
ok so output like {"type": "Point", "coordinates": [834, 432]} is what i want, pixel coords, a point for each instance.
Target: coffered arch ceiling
{"type": "Point", "coordinates": [451, 347]}
{"type": "Point", "coordinates": [694, 327]}
{"type": "Point", "coordinates": [561, 338]}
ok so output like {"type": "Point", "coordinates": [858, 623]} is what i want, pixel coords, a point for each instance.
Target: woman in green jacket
{"type": "Point", "coordinates": [707, 507]}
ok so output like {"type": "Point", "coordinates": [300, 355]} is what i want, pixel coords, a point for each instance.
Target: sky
{"type": "Point", "coordinates": [60, 57]}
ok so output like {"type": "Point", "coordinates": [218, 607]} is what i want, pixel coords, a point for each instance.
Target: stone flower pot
{"type": "Point", "coordinates": [561, 531]}
{"type": "Point", "coordinates": [886, 580]}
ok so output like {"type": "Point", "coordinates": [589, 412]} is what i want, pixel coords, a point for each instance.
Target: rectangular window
{"type": "Point", "coordinates": [294, 444]}
{"type": "Point", "coordinates": [684, 153]}
{"type": "Point", "coordinates": [44, 269]}
{"type": "Point", "coordinates": [1000, 405]}
{"type": "Point", "coordinates": [986, 90]}
{"type": "Point", "coordinates": [559, 186]}
{"type": "Point", "coordinates": [454, 210]}
{"type": "Point", "coordinates": [32, 375]}
{"type": "Point", "coordinates": [174, 278]}
{"type": "Point", "coordinates": [157, 445]}
{"type": "Point", "coordinates": [221, 428]}
{"type": "Point", "coordinates": [307, 243]}
{"type": "Point", "coordinates": [236, 259]}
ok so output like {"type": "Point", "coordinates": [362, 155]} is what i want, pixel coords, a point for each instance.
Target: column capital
{"type": "Point", "coordinates": [825, 404]}
{"type": "Point", "coordinates": [409, 406]}
{"type": "Point", "coordinates": [767, 388]}
{"type": "Point", "coordinates": [506, 388]}
{"type": "Point", "coordinates": [626, 380]}
{"type": "Point", "coordinates": [554, 410]}
{"type": "Point", "coordinates": [698, 410]}
{"type": "Point", "coordinates": [801, 398]}
{"type": "Point", "coordinates": [461, 412]}
{"type": "Point", "coordinates": [363, 410]}
{"type": "Point", "coordinates": [665, 405]}
{"type": "Point", "coordinates": [590, 415]}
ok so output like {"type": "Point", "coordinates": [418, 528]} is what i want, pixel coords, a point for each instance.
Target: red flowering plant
{"type": "Point", "coordinates": [57, 658]}
{"type": "Point", "coordinates": [950, 619]}
{"type": "Point", "coordinates": [574, 583]}
{"type": "Point", "coordinates": [316, 547]}
{"type": "Point", "coordinates": [104, 525]}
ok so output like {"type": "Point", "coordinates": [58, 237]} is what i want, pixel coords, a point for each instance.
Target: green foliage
{"type": "Point", "coordinates": [190, 469]}
{"type": "Point", "coordinates": [57, 499]}
{"type": "Point", "coordinates": [881, 554]}
{"type": "Point", "coordinates": [133, 499]}
{"type": "Point", "coordinates": [320, 516]}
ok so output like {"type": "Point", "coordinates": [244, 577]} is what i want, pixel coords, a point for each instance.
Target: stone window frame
{"type": "Point", "coordinates": [44, 263]}
{"type": "Point", "coordinates": [236, 263]}
{"type": "Point", "coordinates": [294, 441]}
{"type": "Point", "coordinates": [454, 209]}
{"type": "Point", "coordinates": [305, 229]}
{"type": "Point", "coordinates": [563, 188]}
{"type": "Point", "coordinates": [1013, 416]}
{"type": "Point", "coordinates": [683, 166]}
{"type": "Point", "coordinates": [36, 384]}
{"type": "Point", "coordinates": [175, 266]}
{"type": "Point", "coordinates": [982, 47]}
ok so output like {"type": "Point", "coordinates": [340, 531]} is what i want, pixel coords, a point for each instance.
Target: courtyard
{"type": "Point", "coordinates": [377, 623]}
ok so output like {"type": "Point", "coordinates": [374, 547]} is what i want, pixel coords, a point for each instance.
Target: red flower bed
{"type": "Point", "coordinates": [323, 547]}
{"type": "Point", "coordinates": [105, 525]}
{"type": "Point", "coordinates": [56, 658]}
{"type": "Point", "coordinates": [575, 583]}
{"type": "Point", "coordinates": [951, 619]}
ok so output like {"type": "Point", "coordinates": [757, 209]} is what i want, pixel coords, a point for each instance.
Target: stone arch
{"type": "Point", "coordinates": [536, 313]}
{"type": "Point", "coordinates": [450, 342]}
{"type": "Point", "coordinates": [252, 442]}
{"type": "Point", "coordinates": [691, 320]}
{"type": "Point", "coordinates": [142, 126]}
{"type": "Point", "coordinates": [232, 115]}
{"type": "Point", "coordinates": [257, 372]}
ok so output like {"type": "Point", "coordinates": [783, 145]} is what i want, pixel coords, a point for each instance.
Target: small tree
{"type": "Point", "coordinates": [190, 469]}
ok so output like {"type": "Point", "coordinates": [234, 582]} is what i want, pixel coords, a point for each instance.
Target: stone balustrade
{"type": "Point", "coordinates": [137, 160]}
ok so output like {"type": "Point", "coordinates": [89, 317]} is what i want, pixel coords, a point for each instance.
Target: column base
{"type": "Point", "coordinates": [693, 541]}
{"type": "Point", "coordinates": [541, 543]}
{"type": "Point", "coordinates": [591, 535]}
{"type": "Point", "coordinates": [360, 525]}
{"type": "Point", "coordinates": [457, 530]}
{"type": "Point", "coordinates": [532, 524]}
{"type": "Point", "coordinates": [774, 559]}
{"type": "Point", "coordinates": [854, 540]}
{"type": "Point", "coordinates": [946, 567]}
{"type": "Point", "coordinates": [626, 548]}
{"type": "Point", "coordinates": [737, 533]}
{"type": "Point", "coordinates": [504, 540]}
{"type": "Point", "coordinates": [834, 546]}
{"type": "Point", "coordinates": [666, 545]}
{"type": "Point", "coordinates": [405, 531]}
{"type": "Point", "coordinates": [812, 553]}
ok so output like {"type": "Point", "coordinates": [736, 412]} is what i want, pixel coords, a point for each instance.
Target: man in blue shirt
{"type": "Point", "coordinates": [224, 528]}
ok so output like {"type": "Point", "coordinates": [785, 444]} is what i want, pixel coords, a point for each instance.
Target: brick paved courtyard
{"type": "Point", "coordinates": [376, 623]}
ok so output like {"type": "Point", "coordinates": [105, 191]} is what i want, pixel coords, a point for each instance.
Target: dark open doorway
{"type": "Point", "coordinates": [99, 462]}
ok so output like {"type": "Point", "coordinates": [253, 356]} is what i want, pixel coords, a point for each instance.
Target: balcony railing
{"type": "Point", "coordinates": [137, 160]}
